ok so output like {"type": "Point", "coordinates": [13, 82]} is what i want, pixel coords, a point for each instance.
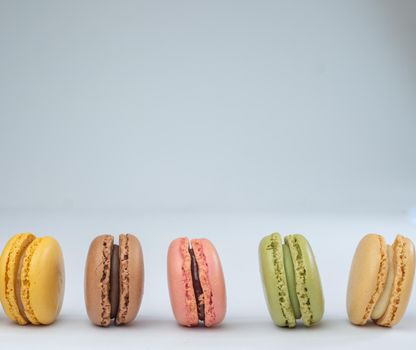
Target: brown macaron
{"type": "Point", "coordinates": [114, 279]}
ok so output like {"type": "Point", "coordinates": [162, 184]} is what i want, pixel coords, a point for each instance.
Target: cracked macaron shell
{"type": "Point", "coordinates": [180, 282]}
{"type": "Point", "coordinates": [34, 269]}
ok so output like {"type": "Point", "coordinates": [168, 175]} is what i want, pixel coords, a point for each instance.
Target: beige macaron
{"type": "Point", "coordinates": [381, 279]}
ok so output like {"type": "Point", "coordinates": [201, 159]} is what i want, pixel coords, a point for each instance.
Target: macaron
{"type": "Point", "coordinates": [196, 283]}
{"type": "Point", "coordinates": [114, 280]}
{"type": "Point", "coordinates": [380, 281]}
{"type": "Point", "coordinates": [291, 281]}
{"type": "Point", "coordinates": [32, 279]}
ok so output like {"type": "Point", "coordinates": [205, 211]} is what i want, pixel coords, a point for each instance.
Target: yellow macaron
{"type": "Point", "coordinates": [32, 279]}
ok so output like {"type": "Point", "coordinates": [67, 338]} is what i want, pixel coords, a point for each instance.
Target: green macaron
{"type": "Point", "coordinates": [291, 281]}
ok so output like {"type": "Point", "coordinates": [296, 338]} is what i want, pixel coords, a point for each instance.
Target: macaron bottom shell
{"type": "Point", "coordinates": [404, 270]}
{"type": "Point", "coordinates": [291, 281]}
{"type": "Point", "coordinates": [307, 280]}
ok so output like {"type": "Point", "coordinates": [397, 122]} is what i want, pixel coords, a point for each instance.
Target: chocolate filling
{"type": "Point", "coordinates": [199, 294]}
{"type": "Point", "coordinates": [114, 280]}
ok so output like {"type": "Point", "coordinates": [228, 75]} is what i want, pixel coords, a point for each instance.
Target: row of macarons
{"type": "Point", "coordinates": [32, 280]}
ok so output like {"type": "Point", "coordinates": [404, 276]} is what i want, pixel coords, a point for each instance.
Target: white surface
{"type": "Point", "coordinates": [236, 236]}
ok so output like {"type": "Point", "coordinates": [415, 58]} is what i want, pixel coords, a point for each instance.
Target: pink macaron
{"type": "Point", "coordinates": [196, 283]}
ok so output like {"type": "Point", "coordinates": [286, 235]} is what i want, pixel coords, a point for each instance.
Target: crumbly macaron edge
{"type": "Point", "coordinates": [123, 279]}
{"type": "Point", "coordinates": [104, 286]}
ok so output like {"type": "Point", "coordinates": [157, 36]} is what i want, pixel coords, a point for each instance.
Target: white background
{"type": "Point", "coordinates": [199, 106]}
{"type": "Point", "coordinates": [220, 119]}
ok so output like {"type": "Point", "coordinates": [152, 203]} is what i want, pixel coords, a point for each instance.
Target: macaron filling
{"type": "Point", "coordinates": [198, 291]}
{"type": "Point", "coordinates": [118, 281]}
{"type": "Point", "coordinates": [18, 289]}
{"type": "Point", "coordinates": [384, 300]}
{"type": "Point", "coordinates": [291, 281]}
{"type": "Point", "coordinates": [115, 280]}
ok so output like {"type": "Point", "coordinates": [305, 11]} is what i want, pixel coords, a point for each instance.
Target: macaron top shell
{"type": "Point", "coordinates": [97, 280]}
{"type": "Point", "coordinates": [274, 281]}
{"type": "Point", "coordinates": [180, 283]}
{"type": "Point", "coordinates": [367, 278]}
{"type": "Point", "coordinates": [9, 269]}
